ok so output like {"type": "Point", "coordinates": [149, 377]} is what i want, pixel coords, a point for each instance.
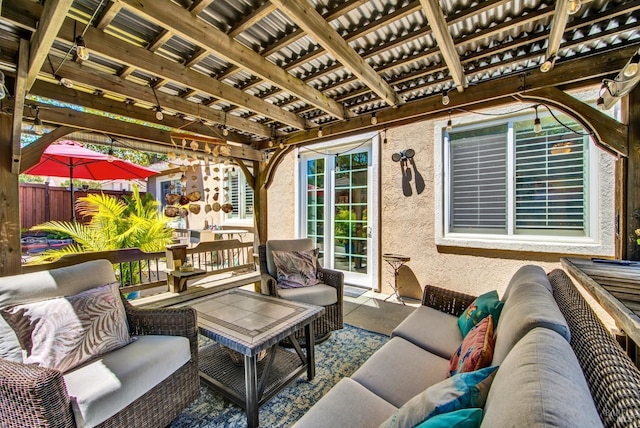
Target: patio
{"type": "Point", "coordinates": [470, 139]}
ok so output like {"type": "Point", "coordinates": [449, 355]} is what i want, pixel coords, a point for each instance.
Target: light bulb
{"type": "Point", "coordinates": [537, 126]}
{"type": "Point", "coordinates": [374, 119]}
{"type": "Point", "coordinates": [270, 143]}
{"type": "Point", "coordinates": [3, 92]}
{"type": "Point", "coordinates": [630, 69]}
{"type": "Point", "coordinates": [110, 157]}
{"type": "Point", "coordinates": [281, 146]}
{"type": "Point", "coordinates": [159, 114]}
{"type": "Point", "coordinates": [225, 131]}
{"type": "Point", "coordinates": [183, 180]}
{"type": "Point", "coordinates": [38, 127]}
{"type": "Point", "coordinates": [573, 6]}
{"type": "Point", "coordinates": [81, 49]}
{"type": "Point", "coordinates": [449, 125]}
{"type": "Point", "coordinates": [320, 132]}
{"type": "Point", "coordinates": [546, 66]}
{"type": "Point", "coordinates": [445, 99]}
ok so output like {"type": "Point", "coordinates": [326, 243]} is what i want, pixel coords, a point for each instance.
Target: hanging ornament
{"type": "Point", "coordinates": [183, 180]}
{"type": "Point", "coordinates": [183, 156]}
{"type": "Point", "coordinates": [225, 151]}
{"type": "Point", "coordinates": [183, 168]}
{"type": "Point", "coordinates": [207, 149]}
{"type": "Point", "coordinates": [184, 143]}
{"type": "Point", "coordinates": [216, 151]}
{"type": "Point", "coordinates": [194, 145]}
{"type": "Point", "coordinates": [171, 156]}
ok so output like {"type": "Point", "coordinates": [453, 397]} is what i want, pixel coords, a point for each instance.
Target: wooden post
{"type": "Point", "coordinates": [10, 250]}
{"type": "Point", "coordinates": [632, 217]}
{"type": "Point", "coordinates": [175, 256]}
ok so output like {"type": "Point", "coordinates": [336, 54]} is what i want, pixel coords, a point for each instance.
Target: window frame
{"type": "Point", "coordinates": [243, 189]}
{"type": "Point", "coordinates": [598, 238]}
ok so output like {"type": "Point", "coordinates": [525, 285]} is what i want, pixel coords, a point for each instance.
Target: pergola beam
{"type": "Point", "coordinates": [568, 72]}
{"type": "Point", "coordinates": [33, 152]}
{"type": "Point", "coordinates": [441, 33]}
{"type": "Point", "coordinates": [558, 26]}
{"type": "Point", "coordinates": [18, 103]}
{"type": "Point", "coordinates": [202, 34]}
{"type": "Point", "coordinates": [252, 18]}
{"type": "Point", "coordinates": [315, 26]}
{"type": "Point", "coordinates": [51, 19]}
{"type": "Point", "coordinates": [125, 89]}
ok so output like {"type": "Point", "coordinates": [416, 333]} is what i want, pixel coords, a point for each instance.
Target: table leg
{"type": "Point", "coordinates": [311, 357]}
{"type": "Point", "coordinates": [251, 387]}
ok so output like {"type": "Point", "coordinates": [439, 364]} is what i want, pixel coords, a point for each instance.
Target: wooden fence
{"type": "Point", "coordinates": [40, 203]}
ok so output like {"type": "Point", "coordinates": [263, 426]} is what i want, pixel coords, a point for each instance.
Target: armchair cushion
{"type": "Point", "coordinates": [320, 295]}
{"type": "Point", "coordinates": [105, 386]}
{"type": "Point", "coordinates": [296, 269]}
{"type": "Point", "coordinates": [64, 332]}
{"type": "Point", "coordinates": [284, 245]}
{"type": "Point", "coordinates": [37, 286]}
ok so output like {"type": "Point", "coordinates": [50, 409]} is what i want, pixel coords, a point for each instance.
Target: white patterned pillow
{"type": "Point", "coordinates": [64, 332]}
{"type": "Point", "coordinates": [296, 269]}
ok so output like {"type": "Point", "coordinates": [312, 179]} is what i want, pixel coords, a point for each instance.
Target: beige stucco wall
{"type": "Point", "coordinates": [408, 222]}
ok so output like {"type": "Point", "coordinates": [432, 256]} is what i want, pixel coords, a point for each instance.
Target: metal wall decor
{"type": "Point", "coordinates": [409, 170]}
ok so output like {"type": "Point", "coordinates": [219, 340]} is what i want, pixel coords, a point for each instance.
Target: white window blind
{"type": "Point", "coordinates": [478, 170]}
{"type": "Point", "coordinates": [550, 180]}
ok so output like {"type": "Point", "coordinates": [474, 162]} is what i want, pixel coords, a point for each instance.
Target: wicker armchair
{"type": "Point", "coordinates": [332, 318]}
{"type": "Point", "coordinates": [32, 396]}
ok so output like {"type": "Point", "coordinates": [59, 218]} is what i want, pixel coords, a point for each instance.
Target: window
{"type": "Point", "coordinates": [505, 180]}
{"type": "Point", "coordinates": [240, 197]}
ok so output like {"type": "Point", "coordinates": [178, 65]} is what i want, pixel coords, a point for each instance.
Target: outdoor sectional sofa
{"type": "Point", "coordinates": [557, 364]}
{"type": "Point", "coordinates": [145, 383]}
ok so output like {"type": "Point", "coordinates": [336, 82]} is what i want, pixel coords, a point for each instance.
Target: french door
{"type": "Point", "coordinates": [338, 208]}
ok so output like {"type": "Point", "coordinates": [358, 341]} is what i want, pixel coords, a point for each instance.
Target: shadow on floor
{"type": "Point", "coordinates": [371, 312]}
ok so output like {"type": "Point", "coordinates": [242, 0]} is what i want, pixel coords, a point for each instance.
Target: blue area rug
{"type": "Point", "coordinates": [337, 357]}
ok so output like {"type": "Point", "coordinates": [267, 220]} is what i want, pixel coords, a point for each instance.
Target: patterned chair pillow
{"type": "Point", "coordinates": [486, 304]}
{"type": "Point", "coordinates": [296, 269]}
{"type": "Point", "coordinates": [65, 332]}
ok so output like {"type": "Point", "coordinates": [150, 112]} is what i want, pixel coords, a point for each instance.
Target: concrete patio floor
{"type": "Point", "coordinates": [371, 312]}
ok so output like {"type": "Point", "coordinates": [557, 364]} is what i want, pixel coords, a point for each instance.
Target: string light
{"type": "Point", "coordinates": [548, 64]}
{"type": "Point", "coordinates": [67, 83]}
{"type": "Point", "coordinates": [374, 119]}
{"type": "Point", "coordinates": [445, 98]}
{"type": "Point", "coordinates": [81, 49]}
{"type": "Point", "coordinates": [449, 123]}
{"type": "Point", "coordinates": [631, 69]}
{"type": "Point", "coordinates": [38, 126]}
{"type": "Point", "coordinates": [537, 126]}
{"type": "Point", "coordinates": [225, 131]}
{"type": "Point", "coordinates": [320, 132]}
{"type": "Point", "coordinates": [573, 6]}
{"type": "Point", "coordinates": [158, 109]}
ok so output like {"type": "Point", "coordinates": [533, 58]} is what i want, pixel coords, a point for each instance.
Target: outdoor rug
{"type": "Point", "coordinates": [337, 357]}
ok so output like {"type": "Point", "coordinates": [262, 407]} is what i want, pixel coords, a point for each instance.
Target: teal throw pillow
{"type": "Point", "coordinates": [463, 418]}
{"type": "Point", "coordinates": [484, 305]}
{"type": "Point", "coordinates": [461, 391]}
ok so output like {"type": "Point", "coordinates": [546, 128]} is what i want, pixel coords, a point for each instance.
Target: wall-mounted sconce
{"type": "Point", "coordinates": [403, 155]}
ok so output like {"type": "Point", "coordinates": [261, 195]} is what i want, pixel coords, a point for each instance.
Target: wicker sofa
{"type": "Point", "coordinates": [557, 364]}
{"type": "Point", "coordinates": [146, 383]}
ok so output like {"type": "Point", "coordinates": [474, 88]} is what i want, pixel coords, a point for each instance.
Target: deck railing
{"type": "Point", "coordinates": [138, 270]}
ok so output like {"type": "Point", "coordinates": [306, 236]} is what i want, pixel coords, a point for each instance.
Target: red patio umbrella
{"type": "Point", "coordinates": [70, 159]}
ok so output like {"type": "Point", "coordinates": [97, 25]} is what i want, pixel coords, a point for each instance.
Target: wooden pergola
{"type": "Point", "coordinates": [269, 76]}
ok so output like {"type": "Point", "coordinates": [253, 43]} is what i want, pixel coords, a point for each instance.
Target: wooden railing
{"type": "Point", "coordinates": [138, 270]}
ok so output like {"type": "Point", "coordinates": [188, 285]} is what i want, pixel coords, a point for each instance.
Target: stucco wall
{"type": "Point", "coordinates": [408, 222]}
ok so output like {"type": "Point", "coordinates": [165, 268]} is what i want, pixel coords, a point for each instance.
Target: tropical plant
{"type": "Point", "coordinates": [114, 224]}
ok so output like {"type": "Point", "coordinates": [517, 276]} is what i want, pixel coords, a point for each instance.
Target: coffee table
{"type": "Point", "coordinates": [250, 323]}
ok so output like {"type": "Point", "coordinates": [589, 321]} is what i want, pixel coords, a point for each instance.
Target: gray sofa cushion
{"type": "Point", "coordinates": [432, 330]}
{"type": "Point", "coordinates": [527, 274]}
{"type": "Point", "coordinates": [348, 404]}
{"type": "Point", "coordinates": [320, 294]}
{"type": "Point", "coordinates": [37, 286]}
{"type": "Point", "coordinates": [529, 305]}
{"type": "Point", "coordinates": [103, 387]}
{"type": "Point", "coordinates": [399, 370]}
{"type": "Point", "coordinates": [536, 382]}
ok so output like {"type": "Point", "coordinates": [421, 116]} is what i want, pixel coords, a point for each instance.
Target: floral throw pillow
{"type": "Point", "coordinates": [476, 350]}
{"type": "Point", "coordinates": [64, 332]}
{"type": "Point", "coordinates": [296, 269]}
